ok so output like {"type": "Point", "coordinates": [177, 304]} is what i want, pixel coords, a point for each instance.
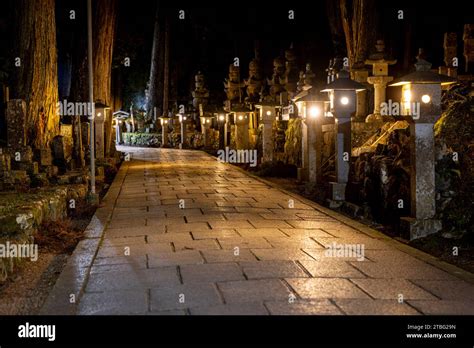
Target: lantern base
{"type": "Point", "coordinates": [338, 191]}
{"type": "Point", "coordinates": [412, 228]}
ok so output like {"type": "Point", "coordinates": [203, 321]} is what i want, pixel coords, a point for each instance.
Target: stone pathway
{"type": "Point", "coordinates": [189, 235]}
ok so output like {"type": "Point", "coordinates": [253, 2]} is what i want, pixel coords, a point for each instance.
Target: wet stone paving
{"type": "Point", "coordinates": [190, 235]}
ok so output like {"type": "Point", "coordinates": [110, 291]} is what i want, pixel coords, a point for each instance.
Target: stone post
{"type": "Point", "coordinates": [99, 136]}
{"type": "Point", "coordinates": [241, 131]}
{"type": "Point", "coordinates": [422, 159]}
{"type": "Point", "coordinates": [16, 123]}
{"type": "Point", "coordinates": [206, 131]}
{"type": "Point", "coordinates": [183, 125]}
{"type": "Point", "coordinates": [343, 142]}
{"type": "Point", "coordinates": [164, 132]}
{"type": "Point", "coordinates": [267, 114]}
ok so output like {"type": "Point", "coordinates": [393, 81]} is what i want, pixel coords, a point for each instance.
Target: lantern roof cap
{"type": "Point", "coordinates": [239, 108]}
{"type": "Point", "coordinates": [100, 104]}
{"type": "Point", "coordinates": [343, 83]}
{"type": "Point", "coordinates": [310, 95]}
{"type": "Point", "coordinates": [423, 75]}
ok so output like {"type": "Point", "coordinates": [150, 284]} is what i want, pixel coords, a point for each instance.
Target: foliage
{"type": "Point", "coordinates": [277, 169]}
{"type": "Point", "coordinates": [142, 139]}
{"type": "Point", "coordinates": [454, 133]}
{"type": "Point", "coordinates": [293, 141]}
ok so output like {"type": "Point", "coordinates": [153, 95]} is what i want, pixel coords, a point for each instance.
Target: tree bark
{"type": "Point", "coordinates": [155, 82]}
{"type": "Point", "coordinates": [358, 22]}
{"type": "Point", "coordinates": [37, 77]}
{"type": "Point", "coordinates": [335, 26]}
{"type": "Point", "coordinates": [105, 18]}
{"type": "Point", "coordinates": [166, 80]}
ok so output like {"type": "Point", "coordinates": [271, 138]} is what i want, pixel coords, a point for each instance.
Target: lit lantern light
{"type": "Point", "coordinates": [424, 87]}
{"type": "Point", "coordinates": [221, 118]}
{"type": "Point", "coordinates": [344, 100]}
{"type": "Point", "coordinates": [407, 96]}
{"type": "Point", "coordinates": [269, 113]}
{"type": "Point", "coordinates": [241, 117]}
{"type": "Point", "coordinates": [101, 114]}
{"type": "Point", "coordinates": [315, 111]}
{"type": "Point", "coordinates": [267, 116]}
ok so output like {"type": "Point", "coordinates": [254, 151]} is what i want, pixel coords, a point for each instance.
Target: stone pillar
{"type": "Point", "coordinates": [314, 149]}
{"type": "Point", "coordinates": [183, 130]}
{"type": "Point", "coordinates": [222, 127]}
{"type": "Point", "coordinates": [422, 159]}
{"type": "Point", "coordinates": [343, 140]}
{"type": "Point", "coordinates": [206, 132]}
{"type": "Point", "coordinates": [468, 38]}
{"type": "Point", "coordinates": [380, 85]}
{"type": "Point", "coordinates": [99, 137]}
{"type": "Point", "coordinates": [241, 131]}
{"type": "Point", "coordinates": [361, 76]}
{"type": "Point", "coordinates": [227, 128]}
{"type": "Point", "coordinates": [164, 133]}
{"type": "Point", "coordinates": [267, 116]}
{"type": "Point", "coordinates": [303, 171]}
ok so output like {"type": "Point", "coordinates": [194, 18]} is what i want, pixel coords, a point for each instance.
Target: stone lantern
{"type": "Point", "coordinates": [343, 103]}
{"type": "Point", "coordinates": [421, 99]}
{"type": "Point", "coordinates": [241, 121]}
{"type": "Point", "coordinates": [222, 121]}
{"type": "Point", "coordinates": [101, 111]}
{"type": "Point", "coordinates": [268, 114]}
{"type": "Point", "coordinates": [183, 119]}
{"type": "Point", "coordinates": [311, 109]}
{"type": "Point", "coordinates": [379, 78]}
{"type": "Point", "coordinates": [206, 118]}
{"type": "Point", "coordinates": [165, 121]}
{"type": "Point", "coordinates": [119, 117]}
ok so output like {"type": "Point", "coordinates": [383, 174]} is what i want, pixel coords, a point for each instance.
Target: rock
{"type": "Point", "coordinates": [43, 156]}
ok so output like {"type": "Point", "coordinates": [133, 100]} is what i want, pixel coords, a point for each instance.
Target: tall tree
{"type": "Point", "coordinates": [36, 80]}
{"type": "Point", "coordinates": [359, 24]}
{"type": "Point", "coordinates": [155, 82]}
{"type": "Point", "coordinates": [105, 18]}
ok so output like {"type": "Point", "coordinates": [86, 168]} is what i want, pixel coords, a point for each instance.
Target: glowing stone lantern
{"type": "Point", "coordinates": [343, 103]}
{"type": "Point", "coordinates": [164, 121]}
{"type": "Point", "coordinates": [183, 119]}
{"type": "Point", "coordinates": [311, 109]}
{"type": "Point", "coordinates": [421, 99]}
{"type": "Point", "coordinates": [241, 121]}
{"type": "Point", "coordinates": [221, 116]}
{"type": "Point", "coordinates": [268, 114]}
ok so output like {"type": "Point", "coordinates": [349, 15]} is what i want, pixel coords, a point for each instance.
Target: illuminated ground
{"type": "Point", "coordinates": [240, 246]}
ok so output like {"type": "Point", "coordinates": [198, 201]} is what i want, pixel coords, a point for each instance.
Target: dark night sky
{"type": "Point", "coordinates": [216, 32]}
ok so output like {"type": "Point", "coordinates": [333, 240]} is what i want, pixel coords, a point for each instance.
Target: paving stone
{"type": "Point", "coordinates": [243, 243]}
{"type": "Point", "coordinates": [412, 270]}
{"type": "Point", "coordinates": [331, 269]}
{"type": "Point", "coordinates": [238, 224]}
{"type": "Point", "coordinates": [262, 223]}
{"type": "Point", "coordinates": [140, 279]}
{"type": "Point", "coordinates": [203, 244]}
{"type": "Point", "coordinates": [231, 309]}
{"type": "Point", "coordinates": [114, 302]}
{"type": "Point", "coordinates": [281, 254]}
{"type": "Point", "coordinates": [448, 290]}
{"type": "Point", "coordinates": [211, 273]}
{"type": "Point", "coordinates": [232, 255]}
{"type": "Point", "coordinates": [254, 290]}
{"type": "Point", "coordinates": [293, 242]}
{"type": "Point", "coordinates": [184, 257]}
{"type": "Point", "coordinates": [272, 269]}
{"type": "Point", "coordinates": [374, 307]}
{"type": "Point", "coordinates": [184, 296]}
{"type": "Point", "coordinates": [302, 307]}
{"type": "Point", "coordinates": [392, 288]}
{"type": "Point", "coordinates": [301, 232]}
{"type": "Point", "coordinates": [325, 288]}
{"type": "Point", "coordinates": [260, 232]}
{"type": "Point", "coordinates": [444, 307]}
{"type": "Point", "coordinates": [169, 238]}
{"type": "Point", "coordinates": [213, 234]}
